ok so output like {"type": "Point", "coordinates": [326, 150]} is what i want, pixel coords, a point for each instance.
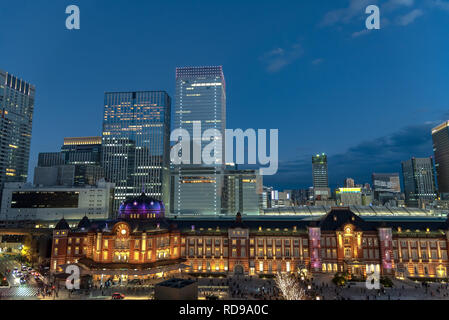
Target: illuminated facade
{"type": "Point", "coordinates": [419, 182]}
{"type": "Point", "coordinates": [339, 241]}
{"type": "Point", "coordinates": [440, 137]}
{"type": "Point", "coordinates": [16, 117]}
{"type": "Point", "coordinates": [200, 99]}
{"type": "Point", "coordinates": [349, 196]}
{"type": "Point", "coordinates": [135, 149]}
{"type": "Point", "coordinates": [78, 164]}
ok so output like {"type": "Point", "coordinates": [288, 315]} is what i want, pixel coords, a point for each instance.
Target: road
{"type": "Point", "coordinates": [16, 290]}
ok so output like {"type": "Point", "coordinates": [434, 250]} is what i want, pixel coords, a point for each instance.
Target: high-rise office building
{"type": "Point", "coordinates": [320, 177]}
{"type": "Point", "coordinates": [16, 117]}
{"type": "Point", "coordinates": [419, 182]}
{"type": "Point", "coordinates": [242, 190]}
{"type": "Point", "coordinates": [82, 150]}
{"type": "Point", "coordinates": [440, 137]}
{"type": "Point", "coordinates": [78, 164]}
{"type": "Point", "coordinates": [200, 100]}
{"type": "Point", "coordinates": [319, 169]}
{"type": "Point", "coordinates": [136, 144]}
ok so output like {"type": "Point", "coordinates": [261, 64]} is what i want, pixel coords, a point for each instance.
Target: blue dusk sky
{"type": "Point", "coordinates": [308, 68]}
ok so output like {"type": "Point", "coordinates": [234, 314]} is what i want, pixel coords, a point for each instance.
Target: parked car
{"type": "Point", "coordinates": [23, 280]}
{"type": "Point", "coordinates": [118, 296]}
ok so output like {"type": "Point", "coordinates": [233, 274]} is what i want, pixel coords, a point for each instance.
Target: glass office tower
{"type": "Point", "coordinates": [319, 168]}
{"type": "Point", "coordinates": [136, 144]}
{"type": "Point", "coordinates": [200, 100]}
{"type": "Point", "coordinates": [440, 137]}
{"type": "Point", "coordinates": [16, 117]}
{"type": "Point", "coordinates": [419, 182]}
{"type": "Point", "coordinates": [320, 177]}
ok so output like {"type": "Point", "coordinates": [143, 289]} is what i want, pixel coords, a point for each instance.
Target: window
{"type": "Point", "coordinates": [348, 254]}
{"type": "Point", "coordinates": [260, 266]}
{"type": "Point", "coordinates": [296, 252]}
{"type": "Point", "coordinates": [424, 254]}
{"type": "Point", "coordinates": [234, 252]}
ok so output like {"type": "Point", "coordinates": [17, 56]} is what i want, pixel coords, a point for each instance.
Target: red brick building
{"type": "Point", "coordinates": [142, 247]}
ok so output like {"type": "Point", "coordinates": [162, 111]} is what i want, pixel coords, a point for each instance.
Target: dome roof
{"type": "Point", "coordinates": [62, 225]}
{"type": "Point", "coordinates": [142, 204]}
{"type": "Point", "coordinates": [84, 224]}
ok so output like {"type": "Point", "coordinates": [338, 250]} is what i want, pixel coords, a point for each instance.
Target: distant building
{"type": "Point", "coordinates": [349, 196]}
{"type": "Point", "coordinates": [241, 192]}
{"type": "Point", "coordinates": [265, 201]}
{"type": "Point", "coordinates": [68, 175]}
{"type": "Point", "coordinates": [82, 150]}
{"type": "Point", "coordinates": [386, 188]}
{"type": "Point", "coordinates": [419, 182]}
{"type": "Point", "coordinates": [440, 137]}
{"type": "Point", "coordinates": [349, 183]}
{"type": "Point", "coordinates": [319, 171]}
{"type": "Point", "coordinates": [77, 164]}
{"type": "Point", "coordinates": [16, 117]}
{"type": "Point", "coordinates": [24, 202]}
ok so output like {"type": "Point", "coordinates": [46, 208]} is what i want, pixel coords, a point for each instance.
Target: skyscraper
{"type": "Point", "coordinates": [440, 137]}
{"type": "Point", "coordinates": [319, 169]}
{"type": "Point", "coordinates": [136, 144]}
{"type": "Point", "coordinates": [78, 164]}
{"type": "Point", "coordinates": [16, 111]}
{"type": "Point", "coordinates": [200, 100]}
{"type": "Point", "coordinates": [82, 150]}
{"type": "Point", "coordinates": [320, 177]}
{"type": "Point", "coordinates": [419, 181]}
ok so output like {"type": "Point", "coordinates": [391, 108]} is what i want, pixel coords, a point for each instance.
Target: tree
{"type": "Point", "coordinates": [290, 287]}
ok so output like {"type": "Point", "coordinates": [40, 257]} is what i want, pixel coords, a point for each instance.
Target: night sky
{"type": "Point", "coordinates": [307, 68]}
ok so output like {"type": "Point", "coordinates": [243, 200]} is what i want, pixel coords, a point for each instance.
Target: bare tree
{"type": "Point", "coordinates": [289, 286]}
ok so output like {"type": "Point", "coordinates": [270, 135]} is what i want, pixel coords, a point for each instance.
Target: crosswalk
{"type": "Point", "coordinates": [19, 292]}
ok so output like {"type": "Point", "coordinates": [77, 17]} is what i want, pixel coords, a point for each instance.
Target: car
{"type": "Point", "coordinates": [30, 269]}
{"type": "Point", "coordinates": [23, 280]}
{"type": "Point", "coordinates": [19, 274]}
{"type": "Point", "coordinates": [118, 296]}
{"type": "Point", "coordinates": [24, 268]}
{"type": "Point", "coordinates": [15, 270]}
